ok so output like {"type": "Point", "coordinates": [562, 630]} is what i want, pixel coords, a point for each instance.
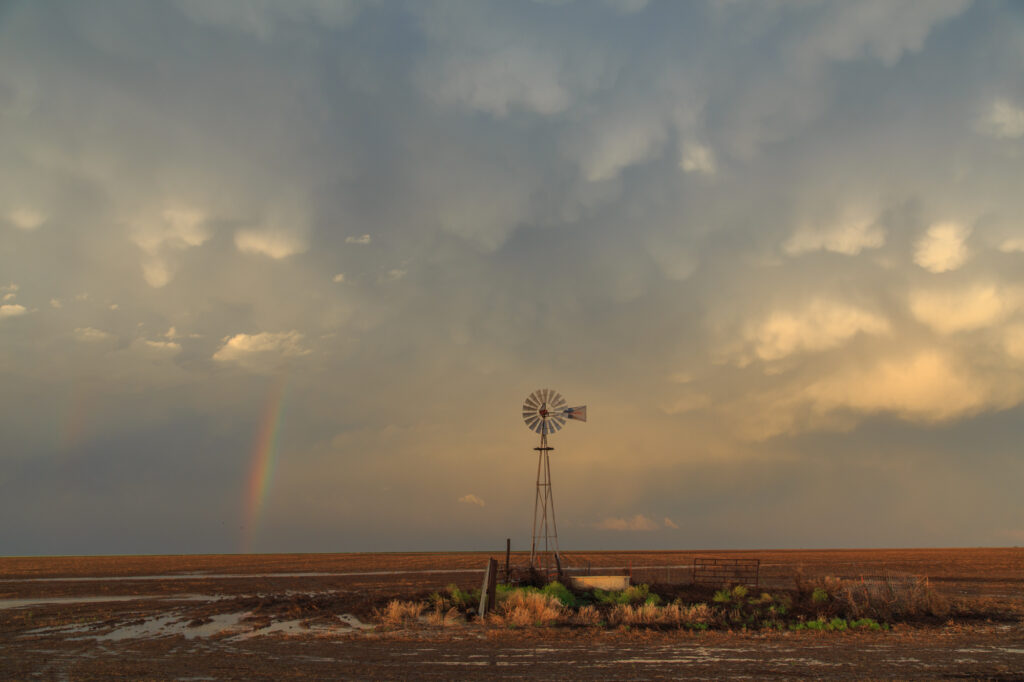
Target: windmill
{"type": "Point", "coordinates": [545, 411]}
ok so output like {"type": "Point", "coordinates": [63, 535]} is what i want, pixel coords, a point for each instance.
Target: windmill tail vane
{"type": "Point", "coordinates": [546, 412]}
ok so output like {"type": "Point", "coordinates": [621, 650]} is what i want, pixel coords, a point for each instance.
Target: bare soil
{"type": "Point", "coordinates": [310, 616]}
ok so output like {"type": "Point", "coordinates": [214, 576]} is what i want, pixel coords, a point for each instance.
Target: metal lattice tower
{"type": "Point", "coordinates": [545, 412]}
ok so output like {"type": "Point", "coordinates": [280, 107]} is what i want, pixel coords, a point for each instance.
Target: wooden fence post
{"type": "Point", "coordinates": [487, 591]}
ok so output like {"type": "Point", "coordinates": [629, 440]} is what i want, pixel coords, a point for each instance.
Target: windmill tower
{"type": "Point", "coordinates": [545, 412]}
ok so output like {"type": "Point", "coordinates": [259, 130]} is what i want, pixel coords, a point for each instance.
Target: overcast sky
{"type": "Point", "coordinates": [277, 276]}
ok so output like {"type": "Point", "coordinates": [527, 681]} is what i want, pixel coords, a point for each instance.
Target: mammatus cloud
{"type": "Point", "coordinates": [929, 385]}
{"type": "Point", "coordinates": [472, 499]}
{"type": "Point", "coordinates": [91, 334]}
{"type": "Point", "coordinates": [957, 310]}
{"type": "Point", "coordinates": [262, 351]}
{"type": "Point", "coordinates": [173, 229]}
{"type": "Point", "coordinates": [818, 326]}
{"type": "Point", "coordinates": [11, 310]}
{"type": "Point", "coordinates": [338, 278]}
{"type": "Point", "coordinates": [1002, 121]}
{"type": "Point", "coordinates": [25, 218]}
{"type": "Point", "coordinates": [698, 158]}
{"type": "Point", "coordinates": [162, 347]}
{"type": "Point", "coordinates": [362, 239]}
{"type": "Point", "coordinates": [848, 237]}
{"type": "Point", "coordinates": [276, 244]}
{"type": "Point", "coordinates": [497, 81]}
{"type": "Point", "coordinates": [942, 248]}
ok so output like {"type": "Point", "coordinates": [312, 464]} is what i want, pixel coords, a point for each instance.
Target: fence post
{"type": "Point", "coordinates": [487, 591]}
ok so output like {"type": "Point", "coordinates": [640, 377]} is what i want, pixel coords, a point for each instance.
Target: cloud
{"type": "Point", "coordinates": [877, 29]}
{"type": "Point", "coordinates": [1013, 341]}
{"type": "Point", "coordinates": [56, 303]}
{"type": "Point", "coordinates": [173, 229]}
{"type": "Point", "coordinates": [11, 310]}
{"type": "Point", "coordinates": [264, 19]}
{"type": "Point", "coordinates": [639, 522]}
{"type": "Point", "coordinates": [338, 278]}
{"type": "Point", "coordinates": [10, 297]}
{"type": "Point", "coordinates": [274, 243]}
{"type": "Point", "coordinates": [627, 6]}
{"type": "Point", "coordinates": [261, 351]}
{"type": "Point", "coordinates": [818, 326]}
{"type": "Point", "coordinates": [929, 385]}
{"type": "Point", "coordinates": [361, 239]}
{"type": "Point", "coordinates": [848, 237]}
{"type": "Point", "coordinates": [1012, 245]}
{"type": "Point", "coordinates": [1002, 121]}
{"type": "Point", "coordinates": [91, 334]}
{"type": "Point", "coordinates": [669, 523]}
{"type": "Point", "coordinates": [698, 158]}
{"type": "Point", "coordinates": [162, 347]}
{"type": "Point", "coordinates": [496, 81]}
{"type": "Point", "coordinates": [942, 248]}
{"type": "Point", "coordinates": [25, 218]}
{"type": "Point", "coordinates": [975, 307]}
{"type": "Point", "coordinates": [472, 499]}
{"type": "Point", "coordinates": [619, 140]}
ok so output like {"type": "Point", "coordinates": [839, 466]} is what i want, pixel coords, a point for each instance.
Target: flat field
{"type": "Point", "coordinates": [314, 616]}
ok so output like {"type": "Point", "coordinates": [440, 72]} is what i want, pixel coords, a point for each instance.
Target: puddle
{"type": "Point", "coordinates": [167, 626]}
{"type": "Point", "coordinates": [354, 623]}
{"type": "Point", "coordinates": [173, 624]}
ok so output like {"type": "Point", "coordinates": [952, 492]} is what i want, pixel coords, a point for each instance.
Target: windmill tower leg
{"type": "Point", "coordinates": [544, 546]}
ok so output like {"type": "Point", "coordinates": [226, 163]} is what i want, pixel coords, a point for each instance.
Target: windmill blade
{"type": "Point", "coordinates": [532, 401]}
{"type": "Point", "coordinates": [577, 413]}
{"type": "Point", "coordinates": [557, 400]}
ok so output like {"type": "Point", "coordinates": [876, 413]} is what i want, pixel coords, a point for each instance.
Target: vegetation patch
{"type": "Point", "coordinates": [825, 605]}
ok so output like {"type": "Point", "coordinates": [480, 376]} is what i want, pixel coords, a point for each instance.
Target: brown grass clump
{"type": "Point", "coordinates": [443, 617]}
{"type": "Point", "coordinates": [401, 612]}
{"type": "Point", "coordinates": [886, 599]}
{"type": "Point", "coordinates": [522, 609]}
{"type": "Point", "coordinates": [674, 615]}
{"type": "Point", "coordinates": [587, 615]}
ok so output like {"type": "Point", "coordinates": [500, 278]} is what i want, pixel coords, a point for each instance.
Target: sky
{"type": "Point", "coordinates": [278, 276]}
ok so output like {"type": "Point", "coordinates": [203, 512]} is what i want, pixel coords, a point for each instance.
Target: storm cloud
{"type": "Point", "coordinates": [775, 247]}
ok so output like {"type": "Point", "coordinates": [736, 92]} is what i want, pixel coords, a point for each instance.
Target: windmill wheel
{"type": "Point", "coordinates": [545, 411]}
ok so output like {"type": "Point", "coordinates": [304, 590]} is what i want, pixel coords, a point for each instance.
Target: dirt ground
{"type": "Point", "coordinates": [312, 616]}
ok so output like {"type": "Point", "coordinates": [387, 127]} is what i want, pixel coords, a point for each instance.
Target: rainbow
{"type": "Point", "coordinates": [264, 455]}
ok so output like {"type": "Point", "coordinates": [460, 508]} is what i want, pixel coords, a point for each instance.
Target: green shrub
{"type": "Point", "coordinates": [635, 594]}
{"type": "Point", "coordinates": [819, 596]}
{"type": "Point", "coordinates": [561, 593]}
{"type": "Point", "coordinates": [462, 598]}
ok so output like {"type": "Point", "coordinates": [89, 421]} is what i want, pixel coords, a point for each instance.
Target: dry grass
{"type": "Point", "coordinates": [443, 617]}
{"type": "Point", "coordinates": [586, 615]}
{"type": "Point", "coordinates": [675, 615]}
{"type": "Point", "coordinates": [892, 597]}
{"type": "Point", "coordinates": [398, 612]}
{"type": "Point", "coordinates": [530, 608]}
